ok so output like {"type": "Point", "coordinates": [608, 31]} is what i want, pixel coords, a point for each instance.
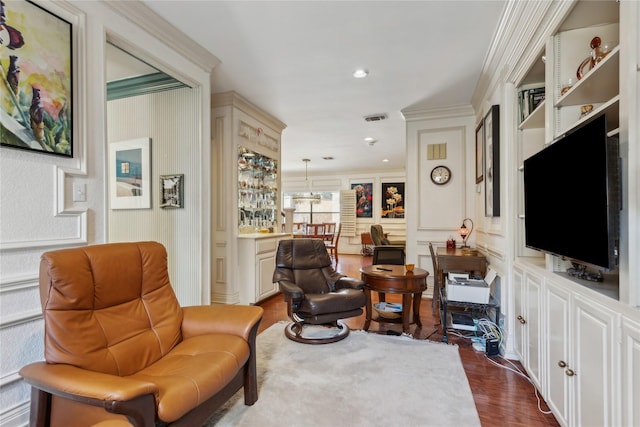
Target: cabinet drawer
{"type": "Point", "coordinates": [266, 245]}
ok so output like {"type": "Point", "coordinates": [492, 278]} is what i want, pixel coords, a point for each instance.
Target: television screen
{"type": "Point", "coordinates": [571, 197]}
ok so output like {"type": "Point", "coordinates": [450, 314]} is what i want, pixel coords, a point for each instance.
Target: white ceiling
{"type": "Point", "coordinates": [295, 60]}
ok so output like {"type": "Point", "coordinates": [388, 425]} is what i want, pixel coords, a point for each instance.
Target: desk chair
{"type": "Point", "coordinates": [436, 280]}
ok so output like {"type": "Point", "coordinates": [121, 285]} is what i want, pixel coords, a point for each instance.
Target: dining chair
{"type": "Point", "coordinates": [315, 231]}
{"type": "Point", "coordinates": [329, 231]}
{"type": "Point", "coordinates": [436, 280]}
{"type": "Point", "coordinates": [332, 246]}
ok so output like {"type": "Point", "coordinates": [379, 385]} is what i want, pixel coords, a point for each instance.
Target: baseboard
{"type": "Point", "coordinates": [16, 417]}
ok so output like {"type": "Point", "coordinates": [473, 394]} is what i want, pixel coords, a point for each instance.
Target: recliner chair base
{"type": "Point", "coordinates": [335, 331]}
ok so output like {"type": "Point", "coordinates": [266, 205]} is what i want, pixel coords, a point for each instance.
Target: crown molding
{"type": "Point", "coordinates": [234, 99]}
{"type": "Point", "coordinates": [440, 113]}
{"type": "Point", "coordinates": [145, 18]}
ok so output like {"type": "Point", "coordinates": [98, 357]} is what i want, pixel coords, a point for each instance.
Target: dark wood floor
{"type": "Point", "coordinates": [501, 397]}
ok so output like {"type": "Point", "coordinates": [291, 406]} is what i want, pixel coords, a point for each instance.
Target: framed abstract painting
{"type": "Point", "coordinates": [36, 113]}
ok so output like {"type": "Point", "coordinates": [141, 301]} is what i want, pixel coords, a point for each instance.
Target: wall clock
{"type": "Point", "coordinates": [440, 175]}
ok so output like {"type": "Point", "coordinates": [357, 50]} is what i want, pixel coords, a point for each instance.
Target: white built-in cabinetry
{"type": "Point", "coordinates": [527, 294]}
{"type": "Point", "coordinates": [246, 212]}
{"type": "Point", "coordinates": [569, 340]}
{"type": "Point", "coordinates": [256, 275]}
{"type": "Point", "coordinates": [579, 343]}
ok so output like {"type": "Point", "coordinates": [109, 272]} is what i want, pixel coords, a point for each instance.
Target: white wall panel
{"type": "Point", "coordinates": [170, 119]}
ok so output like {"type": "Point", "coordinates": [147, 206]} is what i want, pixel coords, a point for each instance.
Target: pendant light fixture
{"type": "Point", "coordinates": [307, 197]}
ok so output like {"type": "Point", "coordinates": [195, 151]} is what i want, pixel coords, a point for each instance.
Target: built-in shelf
{"type": "Point", "coordinates": [535, 120]}
{"type": "Point", "coordinates": [611, 108]}
{"type": "Point", "coordinates": [599, 85]}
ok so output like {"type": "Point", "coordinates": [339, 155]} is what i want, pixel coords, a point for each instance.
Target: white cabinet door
{"type": "Point", "coordinates": [518, 324]}
{"type": "Point", "coordinates": [630, 370]}
{"type": "Point", "coordinates": [594, 338]}
{"type": "Point", "coordinates": [533, 290]}
{"type": "Point", "coordinates": [264, 276]}
{"type": "Point", "coordinates": [557, 340]}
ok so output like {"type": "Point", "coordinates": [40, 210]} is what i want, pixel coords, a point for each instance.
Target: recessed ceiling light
{"type": "Point", "coordinates": [360, 73]}
{"type": "Point", "coordinates": [385, 160]}
{"type": "Point", "coordinates": [369, 139]}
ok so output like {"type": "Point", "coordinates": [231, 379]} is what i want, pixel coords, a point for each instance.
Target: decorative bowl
{"type": "Point", "coordinates": [388, 310]}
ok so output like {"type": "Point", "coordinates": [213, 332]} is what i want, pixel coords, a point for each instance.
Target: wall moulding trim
{"type": "Point", "coordinates": [144, 17]}
{"type": "Point", "coordinates": [60, 210]}
{"type": "Point", "coordinates": [234, 99]}
{"type": "Point", "coordinates": [18, 283]}
{"type": "Point", "coordinates": [225, 298]}
{"type": "Point", "coordinates": [492, 251]}
{"type": "Point", "coordinates": [10, 378]}
{"type": "Point", "coordinates": [20, 318]}
{"type": "Point", "coordinates": [16, 416]}
{"type": "Point", "coordinates": [258, 136]}
{"type": "Point", "coordinates": [438, 113]}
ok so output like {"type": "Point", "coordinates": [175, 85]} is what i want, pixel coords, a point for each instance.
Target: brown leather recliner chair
{"type": "Point", "coordinates": [315, 293]}
{"type": "Point", "coordinates": [119, 347]}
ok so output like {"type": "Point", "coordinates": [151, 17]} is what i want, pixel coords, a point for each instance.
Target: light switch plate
{"type": "Point", "coordinates": [79, 192]}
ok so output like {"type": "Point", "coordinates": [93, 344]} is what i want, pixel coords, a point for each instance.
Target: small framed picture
{"type": "Point", "coordinates": [130, 174]}
{"type": "Point", "coordinates": [172, 191]}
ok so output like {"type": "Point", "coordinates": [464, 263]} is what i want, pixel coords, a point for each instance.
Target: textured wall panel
{"type": "Point", "coordinates": [170, 119]}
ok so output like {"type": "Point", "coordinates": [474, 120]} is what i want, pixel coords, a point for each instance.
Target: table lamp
{"type": "Point", "coordinates": [465, 232]}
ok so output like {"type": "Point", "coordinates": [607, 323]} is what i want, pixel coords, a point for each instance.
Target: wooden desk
{"type": "Point", "coordinates": [453, 260]}
{"type": "Point", "coordinates": [395, 279]}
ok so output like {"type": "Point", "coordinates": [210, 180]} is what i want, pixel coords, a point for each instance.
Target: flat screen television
{"type": "Point", "coordinates": [572, 197]}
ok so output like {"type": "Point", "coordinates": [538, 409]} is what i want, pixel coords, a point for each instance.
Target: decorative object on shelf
{"type": "Point", "coordinates": [480, 152]}
{"type": "Point", "coordinates": [529, 99]}
{"type": "Point", "coordinates": [392, 200]}
{"type": "Point", "coordinates": [566, 85]}
{"type": "Point", "coordinates": [585, 109]}
{"type": "Point", "coordinates": [130, 174]}
{"type": "Point", "coordinates": [492, 162]}
{"type": "Point", "coordinates": [306, 197]}
{"type": "Point", "coordinates": [364, 199]}
{"type": "Point", "coordinates": [257, 192]}
{"type": "Point", "coordinates": [172, 191]}
{"type": "Point", "coordinates": [465, 232]}
{"type": "Point", "coordinates": [37, 111]}
{"type": "Point", "coordinates": [440, 175]}
{"type": "Point", "coordinates": [598, 52]}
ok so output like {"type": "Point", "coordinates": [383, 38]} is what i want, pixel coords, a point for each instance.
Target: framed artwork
{"type": "Point", "coordinates": [36, 112]}
{"type": "Point", "coordinates": [392, 200]}
{"type": "Point", "coordinates": [492, 162]}
{"type": "Point", "coordinates": [364, 199]}
{"type": "Point", "coordinates": [480, 152]}
{"type": "Point", "coordinates": [172, 191]}
{"type": "Point", "coordinates": [130, 174]}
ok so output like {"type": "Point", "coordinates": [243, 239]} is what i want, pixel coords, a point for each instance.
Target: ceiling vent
{"type": "Point", "coordinates": [375, 117]}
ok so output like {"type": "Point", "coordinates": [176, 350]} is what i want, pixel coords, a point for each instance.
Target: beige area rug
{"type": "Point", "coordinates": [364, 380]}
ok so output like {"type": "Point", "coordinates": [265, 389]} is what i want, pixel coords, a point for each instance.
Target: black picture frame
{"type": "Point", "coordinates": [38, 112]}
{"type": "Point", "coordinates": [480, 152]}
{"type": "Point", "coordinates": [491, 125]}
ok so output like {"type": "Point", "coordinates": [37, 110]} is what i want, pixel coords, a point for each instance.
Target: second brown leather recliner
{"type": "Point", "coordinates": [315, 293]}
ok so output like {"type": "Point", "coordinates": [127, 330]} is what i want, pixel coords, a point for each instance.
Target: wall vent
{"type": "Point", "coordinates": [375, 117]}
